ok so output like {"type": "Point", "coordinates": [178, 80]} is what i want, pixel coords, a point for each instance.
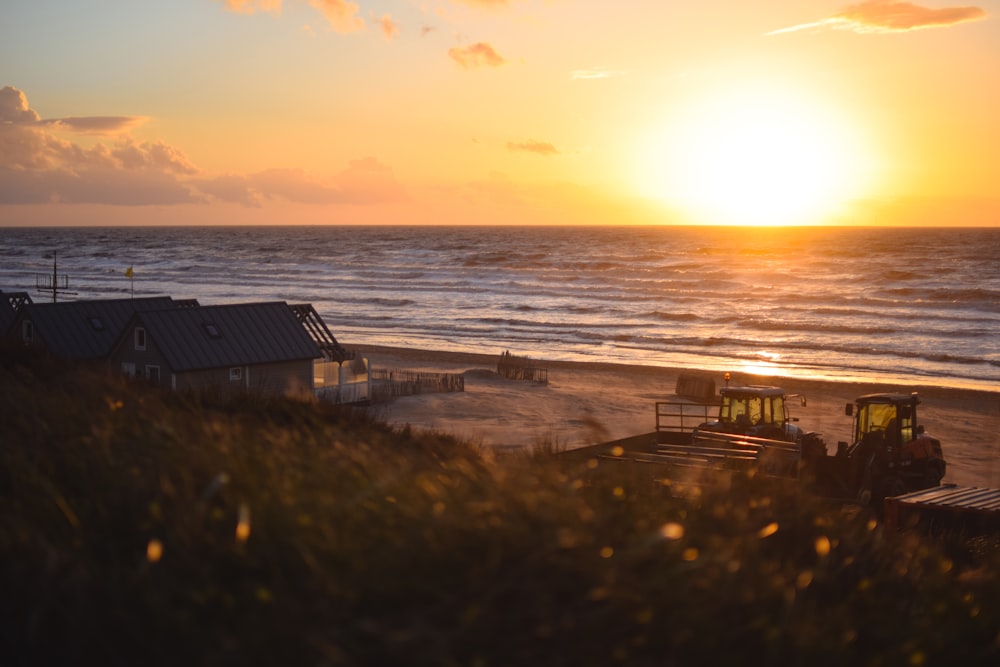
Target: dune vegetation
{"type": "Point", "coordinates": [139, 526]}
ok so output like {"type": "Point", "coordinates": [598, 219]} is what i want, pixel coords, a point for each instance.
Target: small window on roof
{"type": "Point", "coordinates": [212, 330]}
{"type": "Point", "coordinates": [97, 323]}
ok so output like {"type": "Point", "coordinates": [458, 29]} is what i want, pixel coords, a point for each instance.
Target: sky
{"type": "Point", "coordinates": [775, 112]}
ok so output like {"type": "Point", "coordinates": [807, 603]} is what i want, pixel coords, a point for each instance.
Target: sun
{"type": "Point", "coordinates": [756, 156]}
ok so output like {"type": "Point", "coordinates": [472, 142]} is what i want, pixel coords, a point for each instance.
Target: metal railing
{"type": "Point", "coordinates": [679, 417]}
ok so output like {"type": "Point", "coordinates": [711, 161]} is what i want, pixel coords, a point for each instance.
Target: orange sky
{"type": "Point", "coordinates": [499, 112]}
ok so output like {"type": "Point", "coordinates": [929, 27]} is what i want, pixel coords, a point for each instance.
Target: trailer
{"type": "Point", "coordinates": [967, 510]}
{"type": "Point", "coordinates": [890, 453]}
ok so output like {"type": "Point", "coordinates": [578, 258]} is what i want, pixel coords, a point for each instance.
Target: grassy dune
{"type": "Point", "coordinates": [143, 527]}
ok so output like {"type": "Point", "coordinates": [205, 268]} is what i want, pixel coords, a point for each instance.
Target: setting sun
{"type": "Point", "coordinates": [756, 156]}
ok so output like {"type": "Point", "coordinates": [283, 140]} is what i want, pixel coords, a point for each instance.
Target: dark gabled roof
{"type": "Point", "coordinates": [85, 329]}
{"type": "Point", "coordinates": [228, 335]}
{"type": "Point", "coordinates": [10, 304]}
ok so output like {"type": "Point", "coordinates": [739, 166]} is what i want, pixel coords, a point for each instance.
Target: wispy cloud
{"type": "Point", "coordinates": [388, 26]}
{"type": "Point", "coordinates": [106, 125]}
{"type": "Point", "coordinates": [364, 182]}
{"type": "Point", "coordinates": [543, 148]}
{"type": "Point", "coordinates": [594, 73]}
{"type": "Point", "coordinates": [884, 16]}
{"type": "Point", "coordinates": [479, 54]}
{"type": "Point", "coordinates": [252, 6]}
{"type": "Point", "coordinates": [484, 3]}
{"type": "Point", "coordinates": [340, 14]}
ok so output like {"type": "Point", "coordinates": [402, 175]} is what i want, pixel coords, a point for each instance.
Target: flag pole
{"type": "Point", "coordinates": [131, 278]}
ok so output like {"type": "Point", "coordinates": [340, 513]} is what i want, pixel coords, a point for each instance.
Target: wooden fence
{"type": "Point", "coordinates": [389, 383]}
{"type": "Point", "coordinates": [521, 368]}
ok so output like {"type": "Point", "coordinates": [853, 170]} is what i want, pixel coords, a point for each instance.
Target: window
{"type": "Point", "coordinates": [128, 368]}
{"type": "Point", "coordinates": [140, 338]}
{"type": "Point", "coordinates": [235, 374]}
{"type": "Point", "coordinates": [153, 374]}
{"type": "Point", "coordinates": [27, 331]}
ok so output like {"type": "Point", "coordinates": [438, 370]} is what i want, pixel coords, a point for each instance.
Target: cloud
{"type": "Point", "coordinates": [14, 107]}
{"type": "Point", "coordinates": [484, 3]}
{"type": "Point", "coordinates": [537, 147]}
{"type": "Point", "coordinates": [14, 110]}
{"type": "Point", "coordinates": [340, 14]}
{"type": "Point", "coordinates": [364, 182]}
{"type": "Point", "coordinates": [97, 124]}
{"type": "Point", "coordinates": [251, 6]}
{"type": "Point", "coordinates": [885, 16]}
{"type": "Point", "coordinates": [478, 55]}
{"type": "Point", "coordinates": [594, 73]}
{"type": "Point", "coordinates": [155, 156]}
{"type": "Point", "coordinates": [37, 166]}
{"type": "Point", "coordinates": [388, 27]}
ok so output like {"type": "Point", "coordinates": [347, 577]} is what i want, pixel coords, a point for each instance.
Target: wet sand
{"type": "Point", "coordinates": [587, 403]}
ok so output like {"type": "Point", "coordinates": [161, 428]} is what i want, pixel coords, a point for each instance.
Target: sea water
{"type": "Point", "coordinates": [913, 306]}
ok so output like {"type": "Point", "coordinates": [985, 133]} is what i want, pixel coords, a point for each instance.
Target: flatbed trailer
{"type": "Point", "coordinates": [969, 510]}
{"type": "Point", "coordinates": [723, 452]}
{"type": "Point", "coordinates": [889, 455]}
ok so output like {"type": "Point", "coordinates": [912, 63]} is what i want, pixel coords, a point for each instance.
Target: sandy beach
{"type": "Point", "coordinates": [587, 403]}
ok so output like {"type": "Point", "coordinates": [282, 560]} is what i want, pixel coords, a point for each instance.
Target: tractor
{"type": "Point", "coordinates": [757, 411]}
{"type": "Point", "coordinates": [890, 453]}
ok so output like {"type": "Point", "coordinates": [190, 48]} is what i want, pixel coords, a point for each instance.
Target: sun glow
{"type": "Point", "coordinates": [754, 156]}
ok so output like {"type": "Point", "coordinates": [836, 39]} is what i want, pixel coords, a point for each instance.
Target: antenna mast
{"type": "Point", "coordinates": [53, 284]}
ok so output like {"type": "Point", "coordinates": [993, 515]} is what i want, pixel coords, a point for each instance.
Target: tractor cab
{"type": "Point", "coordinates": [886, 418]}
{"type": "Point", "coordinates": [754, 411]}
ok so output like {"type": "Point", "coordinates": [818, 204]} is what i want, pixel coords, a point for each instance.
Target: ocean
{"type": "Point", "coordinates": [907, 306]}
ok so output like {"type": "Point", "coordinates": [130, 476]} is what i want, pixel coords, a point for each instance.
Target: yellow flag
{"type": "Point", "coordinates": [128, 272]}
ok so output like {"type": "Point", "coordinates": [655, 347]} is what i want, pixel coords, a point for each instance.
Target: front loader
{"type": "Point", "coordinates": [889, 455]}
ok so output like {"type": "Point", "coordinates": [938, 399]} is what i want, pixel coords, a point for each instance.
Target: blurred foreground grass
{"type": "Point", "coordinates": [139, 527]}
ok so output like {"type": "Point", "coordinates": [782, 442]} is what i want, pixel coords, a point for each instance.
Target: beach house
{"type": "Point", "coordinates": [80, 330]}
{"type": "Point", "coordinates": [233, 347]}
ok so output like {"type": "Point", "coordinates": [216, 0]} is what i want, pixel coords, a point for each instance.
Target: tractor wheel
{"type": "Point", "coordinates": [772, 433]}
{"type": "Point", "coordinates": [813, 447]}
{"type": "Point", "coordinates": [932, 477]}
